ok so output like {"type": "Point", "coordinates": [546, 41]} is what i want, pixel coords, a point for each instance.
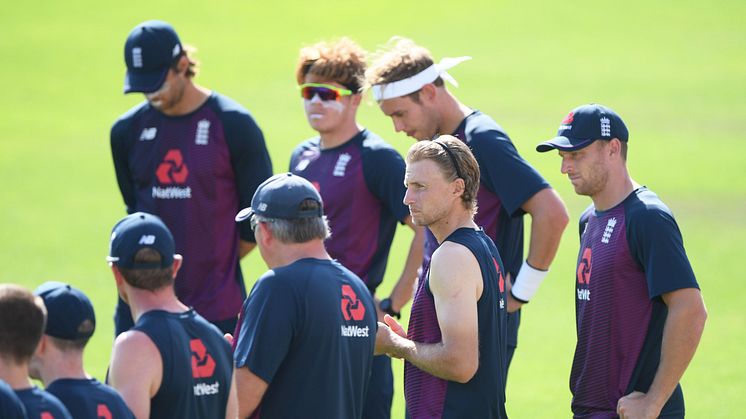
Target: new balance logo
{"type": "Point", "coordinates": [203, 132]}
{"type": "Point", "coordinates": [609, 230]}
{"type": "Point", "coordinates": [341, 165]}
{"type": "Point", "coordinates": [137, 57]}
{"type": "Point", "coordinates": [148, 134]}
{"type": "Point", "coordinates": [605, 127]}
{"type": "Point", "coordinates": [147, 239]}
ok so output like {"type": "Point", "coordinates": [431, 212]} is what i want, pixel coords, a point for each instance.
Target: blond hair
{"type": "Point", "coordinates": [342, 61]}
{"type": "Point", "coordinates": [399, 59]}
{"type": "Point", "coordinates": [455, 160]}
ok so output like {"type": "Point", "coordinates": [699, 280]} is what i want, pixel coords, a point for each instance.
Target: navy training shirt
{"type": "Point", "coordinates": [41, 404]}
{"type": "Point", "coordinates": [428, 396]}
{"type": "Point", "coordinates": [195, 171]}
{"type": "Point", "coordinates": [10, 405]}
{"type": "Point", "coordinates": [308, 329]}
{"type": "Point", "coordinates": [197, 365]}
{"type": "Point", "coordinates": [630, 255]}
{"type": "Point", "coordinates": [507, 181]}
{"type": "Point", "coordinates": [89, 398]}
{"type": "Point", "coordinates": [362, 185]}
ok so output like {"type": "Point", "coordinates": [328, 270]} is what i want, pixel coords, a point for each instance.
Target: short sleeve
{"type": "Point", "coordinates": [504, 171]}
{"type": "Point", "coordinates": [656, 244]}
{"type": "Point", "coordinates": [268, 324]}
{"type": "Point", "coordinates": [384, 169]}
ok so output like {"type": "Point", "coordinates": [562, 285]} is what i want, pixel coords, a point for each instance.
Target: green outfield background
{"type": "Point", "coordinates": [675, 71]}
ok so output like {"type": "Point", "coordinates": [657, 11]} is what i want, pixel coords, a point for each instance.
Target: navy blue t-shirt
{"type": "Point", "coordinates": [197, 365]}
{"type": "Point", "coordinates": [10, 405]}
{"type": "Point", "coordinates": [42, 405]}
{"type": "Point", "coordinates": [308, 329]}
{"type": "Point", "coordinates": [630, 255]}
{"type": "Point", "coordinates": [362, 185]}
{"type": "Point", "coordinates": [195, 171]}
{"type": "Point", "coordinates": [483, 396]}
{"type": "Point", "coordinates": [507, 181]}
{"type": "Point", "coordinates": [89, 398]}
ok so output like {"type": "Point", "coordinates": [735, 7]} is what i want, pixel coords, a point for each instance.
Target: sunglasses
{"type": "Point", "coordinates": [324, 91]}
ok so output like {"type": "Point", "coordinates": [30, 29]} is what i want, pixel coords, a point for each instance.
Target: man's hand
{"type": "Point", "coordinates": [389, 331]}
{"type": "Point", "coordinates": [637, 405]}
{"type": "Point", "coordinates": [513, 304]}
{"type": "Point", "coordinates": [229, 338]}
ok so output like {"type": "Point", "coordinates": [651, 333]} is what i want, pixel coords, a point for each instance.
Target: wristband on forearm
{"type": "Point", "coordinates": [527, 282]}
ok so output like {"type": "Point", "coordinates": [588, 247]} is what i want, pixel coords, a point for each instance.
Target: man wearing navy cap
{"type": "Point", "coordinates": [304, 345]}
{"type": "Point", "coordinates": [58, 362]}
{"type": "Point", "coordinates": [22, 319]}
{"type": "Point", "coordinates": [194, 158]}
{"type": "Point", "coordinates": [640, 314]}
{"type": "Point", "coordinates": [172, 363]}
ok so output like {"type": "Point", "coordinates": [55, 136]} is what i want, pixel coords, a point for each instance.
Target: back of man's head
{"type": "Point", "coordinates": [142, 248]}
{"type": "Point", "coordinates": [22, 318]}
{"type": "Point", "coordinates": [291, 207]}
{"type": "Point", "coordinates": [71, 320]}
{"type": "Point", "coordinates": [401, 58]}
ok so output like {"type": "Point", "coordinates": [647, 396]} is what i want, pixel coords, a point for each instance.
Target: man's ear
{"type": "Point", "coordinates": [178, 259]}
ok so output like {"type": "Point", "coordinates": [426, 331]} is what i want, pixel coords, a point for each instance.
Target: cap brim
{"type": "Point", "coordinates": [144, 82]}
{"type": "Point", "coordinates": [244, 214]}
{"type": "Point", "coordinates": [563, 144]}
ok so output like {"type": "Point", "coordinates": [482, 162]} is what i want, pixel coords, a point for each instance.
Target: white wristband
{"type": "Point", "coordinates": [527, 282]}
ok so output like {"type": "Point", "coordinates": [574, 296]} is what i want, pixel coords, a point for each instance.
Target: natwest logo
{"type": "Point", "coordinates": [172, 169]}
{"type": "Point", "coordinates": [103, 412]}
{"type": "Point", "coordinates": [203, 365]}
{"type": "Point", "coordinates": [352, 307]}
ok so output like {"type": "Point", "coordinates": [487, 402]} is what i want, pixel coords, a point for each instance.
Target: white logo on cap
{"type": "Point", "coordinates": [203, 132]}
{"type": "Point", "coordinates": [176, 51]}
{"type": "Point", "coordinates": [262, 206]}
{"type": "Point", "coordinates": [137, 57]}
{"type": "Point", "coordinates": [147, 239]}
{"type": "Point", "coordinates": [605, 127]}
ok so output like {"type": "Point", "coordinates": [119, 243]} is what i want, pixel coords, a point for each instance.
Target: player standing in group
{"type": "Point", "coordinates": [640, 313]}
{"type": "Point", "coordinates": [194, 158]}
{"type": "Point", "coordinates": [305, 343]}
{"type": "Point", "coordinates": [455, 348]}
{"type": "Point", "coordinates": [409, 88]}
{"type": "Point", "coordinates": [172, 363]}
{"type": "Point", "coordinates": [22, 318]}
{"type": "Point", "coordinates": [58, 362]}
{"type": "Point", "coordinates": [360, 178]}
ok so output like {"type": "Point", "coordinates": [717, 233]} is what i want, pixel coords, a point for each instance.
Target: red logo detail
{"type": "Point", "coordinates": [46, 415]}
{"type": "Point", "coordinates": [568, 119]}
{"type": "Point", "coordinates": [352, 307]}
{"type": "Point", "coordinates": [584, 267]}
{"type": "Point", "coordinates": [500, 279]}
{"type": "Point", "coordinates": [202, 363]}
{"type": "Point", "coordinates": [172, 169]}
{"type": "Point", "coordinates": [102, 411]}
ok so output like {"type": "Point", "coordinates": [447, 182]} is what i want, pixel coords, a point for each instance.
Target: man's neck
{"type": "Point", "coordinates": [340, 135]}
{"type": "Point", "coordinates": [452, 113]}
{"type": "Point", "coordinates": [458, 218]}
{"type": "Point", "coordinates": [16, 375]}
{"type": "Point", "coordinates": [194, 97]}
{"type": "Point", "coordinates": [63, 365]}
{"type": "Point", "coordinates": [289, 253]}
{"type": "Point", "coordinates": [617, 189]}
{"type": "Point", "coordinates": [141, 301]}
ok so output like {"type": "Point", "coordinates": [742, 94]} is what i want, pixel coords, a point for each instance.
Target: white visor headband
{"type": "Point", "coordinates": [412, 84]}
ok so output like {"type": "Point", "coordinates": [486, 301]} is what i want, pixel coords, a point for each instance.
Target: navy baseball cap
{"type": "Point", "coordinates": [140, 231]}
{"type": "Point", "coordinates": [584, 125]}
{"type": "Point", "coordinates": [70, 313]}
{"type": "Point", "coordinates": [280, 197]}
{"type": "Point", "coordinates": [149, 52]}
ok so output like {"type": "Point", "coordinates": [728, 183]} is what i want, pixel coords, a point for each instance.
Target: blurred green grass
{"type": "Point", "coordinates": [674, 71]}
